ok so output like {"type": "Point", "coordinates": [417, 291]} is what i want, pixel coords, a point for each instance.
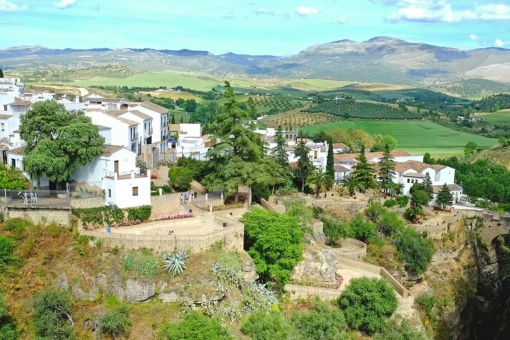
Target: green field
{"type": "Point", "coordinates": [416, 137]}
{"type": "Point", "coordinates": [500, 117]}
{"type": "Point", "coordinates": [168, 79]}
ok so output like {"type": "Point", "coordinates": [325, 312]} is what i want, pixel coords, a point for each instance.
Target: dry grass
{"type": "Point", "coordinates": [296, 118]}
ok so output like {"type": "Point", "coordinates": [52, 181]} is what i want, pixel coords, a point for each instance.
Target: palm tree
{"type": "Point", "coordinates": [351, 183]}
{"type": "Point", "coordinates": [316, 180]}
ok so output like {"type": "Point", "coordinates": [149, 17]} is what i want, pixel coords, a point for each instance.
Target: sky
{"type": "Point", "coordinates": [257, 27]}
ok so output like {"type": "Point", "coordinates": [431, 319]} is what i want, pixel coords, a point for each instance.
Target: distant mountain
{"type": "Point", "coordinates": [380, 59]}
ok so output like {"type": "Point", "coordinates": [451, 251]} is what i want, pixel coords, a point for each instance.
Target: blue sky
{"type": "Point", "coordinates": [277, 27]}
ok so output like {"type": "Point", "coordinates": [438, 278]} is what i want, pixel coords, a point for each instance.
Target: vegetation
{"type": "Point", "coordinates": [321, 322]}
{"type": "Point", "coordinates": [367, 304]}
{"type": "Point", "coordinates": [12, 178]}
{"type": "Point", "coordinates": [6, 328]}
{"type": "Point", "coordinates": [52, 314]}
{"type": "Point", "coordinates": [304, 167]}
{"type": "Point", "coordinates": [175, 263]}
{"type": "Point", "coordinates": [274, 242]}
{"type": "Point", "coordinates": [195, 326]}
{"type": "Point", "coordinates": [265, 325]}
{"type": "Point", "coordinates": [116, 322]}
{"type": "Point", "coordinates": [58, 142]}
{"type": "Point", "coordinates": [350, 108]}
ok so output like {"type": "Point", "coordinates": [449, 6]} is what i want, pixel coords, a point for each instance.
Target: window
{"type": "Point", "coordinates": [135, 191]}
{"type": "Point", "coordinates": [408, 180]}
{"type": "Point", "coordinates": [109, 192]}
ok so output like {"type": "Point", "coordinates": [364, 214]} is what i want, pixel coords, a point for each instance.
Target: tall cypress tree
{"type": "Point", "coordinates": [330, 165]}
{"type": "Point", "coordinates": [278, 151]}
{"type": "Point", "coordinates": [363, 171]}
{"type": "Point", "coordinates": [305, 166]}
{"type": "Point", "coordinates": [173, 119]}
{"type": "Point", "coordinates": [427, 186]}
{"type": "Point", "coordinates": [444, 197]}
{"type": "Point", "coordinates": [386, 170]}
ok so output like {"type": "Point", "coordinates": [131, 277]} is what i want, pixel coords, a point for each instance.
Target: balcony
{"type": "Point", "coordinates": [148, 132]}
{"type": "Point", "coordinates": [134, 136]}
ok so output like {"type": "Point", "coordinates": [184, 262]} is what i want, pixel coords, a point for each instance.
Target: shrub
{"type": "Point", "coordinates": [116, 322]}
{"type": "Point", "coordinates": [263, 325]}
{"type": "Point", "coordinates": [426, 303]}
{"type": "Point", "coordinates": [367, 304]}
{"type": "Point", "coordinates": [414, 250]}
{"type": "Point", "coordinates": [140, 213]}
{"type": "Point", "coordinates": [361, 229]}
{"type": "Point", "coordinates": [396, 329]}
{"type": "Point", "coordinates": [52, 314]}
{"type": "Point", "coordinates": [195, 326]}
{"type": "Point", "coordinates": [175, 263]}
{"type": "Point", "coordinates": [6, 249]}
{"type": "Point", "coordinates": [402, 200]}
{"type": "Point", "coordinates": [14, 224]}
{"type": "Point", "coordinates": [390, 203]}
{"type": "Point", "coordinates": [412, 212]}
{"type": "Point", "coordinates": [322, 322]}
{"type": "Point", "coordinates": [6, 329]}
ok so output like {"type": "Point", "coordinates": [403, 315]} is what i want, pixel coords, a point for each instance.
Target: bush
{"type": "Point", "coordinates": [414, 250]}
{"type": "Point", "coordinates": [322, 322]}
{"type": "Point", "coordinates": [139, 213]}
{"type": "Point", "coordinates": [6, 329]}
{"type": "Point", "coordinates": [14, 224]}
{"type": "Point", "coordinates": [361, 229]}
{"type": "Point", "coordinates": [116, 322]}
{"type": "Point", "coordinates": [367, 304]}
{"type": "Point", "coordinates": [426, 303]}
{"type": "Point", "coordinates": [6, 250]}
{"type": "Point", "coordinates": [390, 203]}
{"type": "Point", "coordinates": [399, 330]}
{"type": "Point", "coordinates": [180, 177]}
{"type": "Point", "coordinates": [412, 212]}
{"type": "Point", "coordinates": [196, 326]}
{"type": "Point", "coordinates": [52, 314]}
{"type": "Point", "coordinates": [402, 200]}
{"type": "Point", "coordinates": [263, 325]}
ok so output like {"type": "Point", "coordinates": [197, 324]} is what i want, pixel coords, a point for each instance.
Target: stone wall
{"type": "Point", "coordinates": [303, 292]}
{"type": "Point", "coordinates": [231, 237]}
{"type": "Point", "coordinates": [42, 215]}
{"type": "Point", "coordinates": [357, 254]}
{"type": "Point", "coordinates": [87, 202]}
{"type": "Point", "coordinates": [401, 290]}
{"type": "Point", "coordinates": [165, 205]}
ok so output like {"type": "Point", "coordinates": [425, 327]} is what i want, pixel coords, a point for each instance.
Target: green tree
{"type": "Point", "coordinates": [238, 157]}
{"type": "Point", "coordinates": [413, 212]}
{"type": "Point", "coordinates": [172, 121]}
{"type": "Point", "coordinates": [427, 186]}
{"type": "Point", "coordinates": [444, 197]}
{"type": "Point", "coordinates": [180, 177]}
{"type": "Point", "coordinates": [279, 152]}
{"type": "Point", "coordinates": [52, 315]}
{"type": "Point", "coordinates": [6, 252]}
{"type": "Point", "coordinates": [195, 326]}
{"type": "Point", "coordinates": [190, 105]}
{"type": "Point", "coordinates": [263, 325]}
{"type": "Point", "coordinates": [321, 322]}
{"type": "Point", "coordinates": [351, 183]}
{"type": "Point", "coordinates": [304, 167]}
{"type": "Point", "coordinates": [367, 304]}
{"type": "Point", "coordinates": [6, 328]}
{"type": "Point", "coordinates": [252, 108]}
{"type": "Point", "coordinates": [317, 180]}
{"type": "Point", "coordinates": [274, 242]}
{"type": "Point", "coordinates": [363, 171]}
{"type": "Point", "coordinates": [398, 329]}
{"type": "Point", "coordinates": [116, 322]}
{"type": "Point", "coordinates": [361, 229]}
{"type": "Point", "coordinates": [470, 149]}
{"type": "Point", "coordinates": [330, 165]}
{"type": "Point", "coordinates": [384, 141]}
{"type": "Point", "coordinates": [420, 197]}
{"type": "Point", "coordinates": [414, 250]}
{"type": "Point", "coordinates": [58, 142]}
{"type": "Point", "coordinates": [12, 178]}
{"type": "Point", "coordinates": [386, 170]}
{"type": "Point", "coordinates": [1, 73]}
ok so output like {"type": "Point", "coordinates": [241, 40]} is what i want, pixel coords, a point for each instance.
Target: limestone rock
{"type": "Point", "coordinates": [169, 297]}
{"type": "Point", "coordinates": [137, 291]}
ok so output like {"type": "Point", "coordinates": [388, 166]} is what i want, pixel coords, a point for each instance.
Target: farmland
{"type": "Point", "coordinates": [417, 137]}
{"type": "Point", "coordinates": [362, 110]}
{"type": "Point", "coordinates": [497, 118]}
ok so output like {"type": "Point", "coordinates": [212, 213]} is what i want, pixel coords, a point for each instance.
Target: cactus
{"type": "Point", "coordinates": [174, 263]}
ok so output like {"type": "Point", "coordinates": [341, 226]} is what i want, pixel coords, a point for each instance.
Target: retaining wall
{"type": "Point", "coordinates": [303, 292]}
{"type": "Point", "coordinates": [231, 237]}
{"type": "Point", "coordinates": [87, 202]}
{"type": "Point", "coordinates": [43, 215]}
{"type": "Point", "coordinates": [357, 254]}
{"type": "Point", "coordinates": [165, 205]}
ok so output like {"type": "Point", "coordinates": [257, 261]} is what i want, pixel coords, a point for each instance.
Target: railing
{"type": "Point", "coordinates": [134, 136]}
{"type": "Point", "coordinates": [137, 171]}
{"type": "Point", "coordinates": [35, 197]}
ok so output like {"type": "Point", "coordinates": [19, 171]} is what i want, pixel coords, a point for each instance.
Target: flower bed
{"type": "Point", "coordinates": [174, 217]}
{"type": "Point", "coordinates": [126, 223]}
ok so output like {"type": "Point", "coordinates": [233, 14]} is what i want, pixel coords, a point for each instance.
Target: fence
{"type": "Point", "coordinates": [36, 197]}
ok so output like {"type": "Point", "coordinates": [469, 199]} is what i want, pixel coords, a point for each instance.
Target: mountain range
{"type": "Point", "coordinates": [380, 59]}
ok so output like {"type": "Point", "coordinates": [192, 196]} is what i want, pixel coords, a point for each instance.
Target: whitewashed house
{"type": "Point", "coordinates": [10, 120]}
{"type": "Point", "coordinates": [117, 130]}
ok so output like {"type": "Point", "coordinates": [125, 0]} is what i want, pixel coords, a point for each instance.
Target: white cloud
{"type": "Point", "coordinates": [65, 4]}
{"type": "Point", "coordinates": [443, 11]}
{"type": "Point", "coordinates": [7, 6]}
{"type": "Point", "coordinates": [499, 43]}
{"type": "Point", "coordinates": [473, 37]}
{"type": "Point", "coordinates": [307, 11]}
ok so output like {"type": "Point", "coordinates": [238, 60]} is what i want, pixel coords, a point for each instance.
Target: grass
{"type": "Point", "coordinates": [168, 79]}
{"type": "Point", "coordinates": [500, 117]}
{"type": "Point", "coordinates": [416, 137]}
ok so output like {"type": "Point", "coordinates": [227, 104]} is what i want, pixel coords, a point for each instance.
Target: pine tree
{"type": "Point", "coordinates": [1, 73]}
{"type": "Point", "coordinates": [330, 165]}
{"type": "Point", "coordinates": [173, 119]}
{"type": "Point", "coordinates": [363, 171]}
{"type": "Point", "coordinates": [444, 197]}
{"type": "Point", "coordinates": [278, 151]}
{"type": "Point", "coordinates": [386, 170]}
{"type": "Point", "coordinates": [305, 166]}
{"type": "Point", "coordinates": [427, 186]}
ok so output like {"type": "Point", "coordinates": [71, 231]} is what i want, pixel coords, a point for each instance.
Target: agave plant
{"type": "Point", "coordinates": [174, 262]}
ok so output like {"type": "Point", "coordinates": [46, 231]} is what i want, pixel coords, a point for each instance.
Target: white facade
{"type": "Point", "coordinates": [122, 131]}
{"type": "Point", "coordinates": [127, 191]}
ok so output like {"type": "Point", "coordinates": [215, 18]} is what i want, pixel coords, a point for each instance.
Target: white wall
{"type": "Point", "coordinates": [122, 191]}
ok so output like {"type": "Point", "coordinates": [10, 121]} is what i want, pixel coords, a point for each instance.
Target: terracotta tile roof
{"type": "Point", "coordinates": [339, 168]}
{"type": "Point", "coordinates": [141, 115]}
{"type": "Point", "coordinates": [124, 120]}
{"type": "Point", "coordinates": [115, 113]}
{"type": "Point", "coordinates": [451, 187]}
{"type": "Point", "coordinates": [19, 102]}
{"type": "Point", "coordinates": [154, 107]}
{"type": "Point", "coordinates": [414, 175]}
{"type": "Point", "coordinates": [340, 146]}
{"type": "Point", "coordinates": [18, 151]}
{"type": "Point", "coordinates": [293, 165]}
{"type": "Point", "coordinates": [416, 166]}
{"type": "Point", "coordinates": [5, 116]}
{"type": "Point", "coordinates": [109, 150]}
